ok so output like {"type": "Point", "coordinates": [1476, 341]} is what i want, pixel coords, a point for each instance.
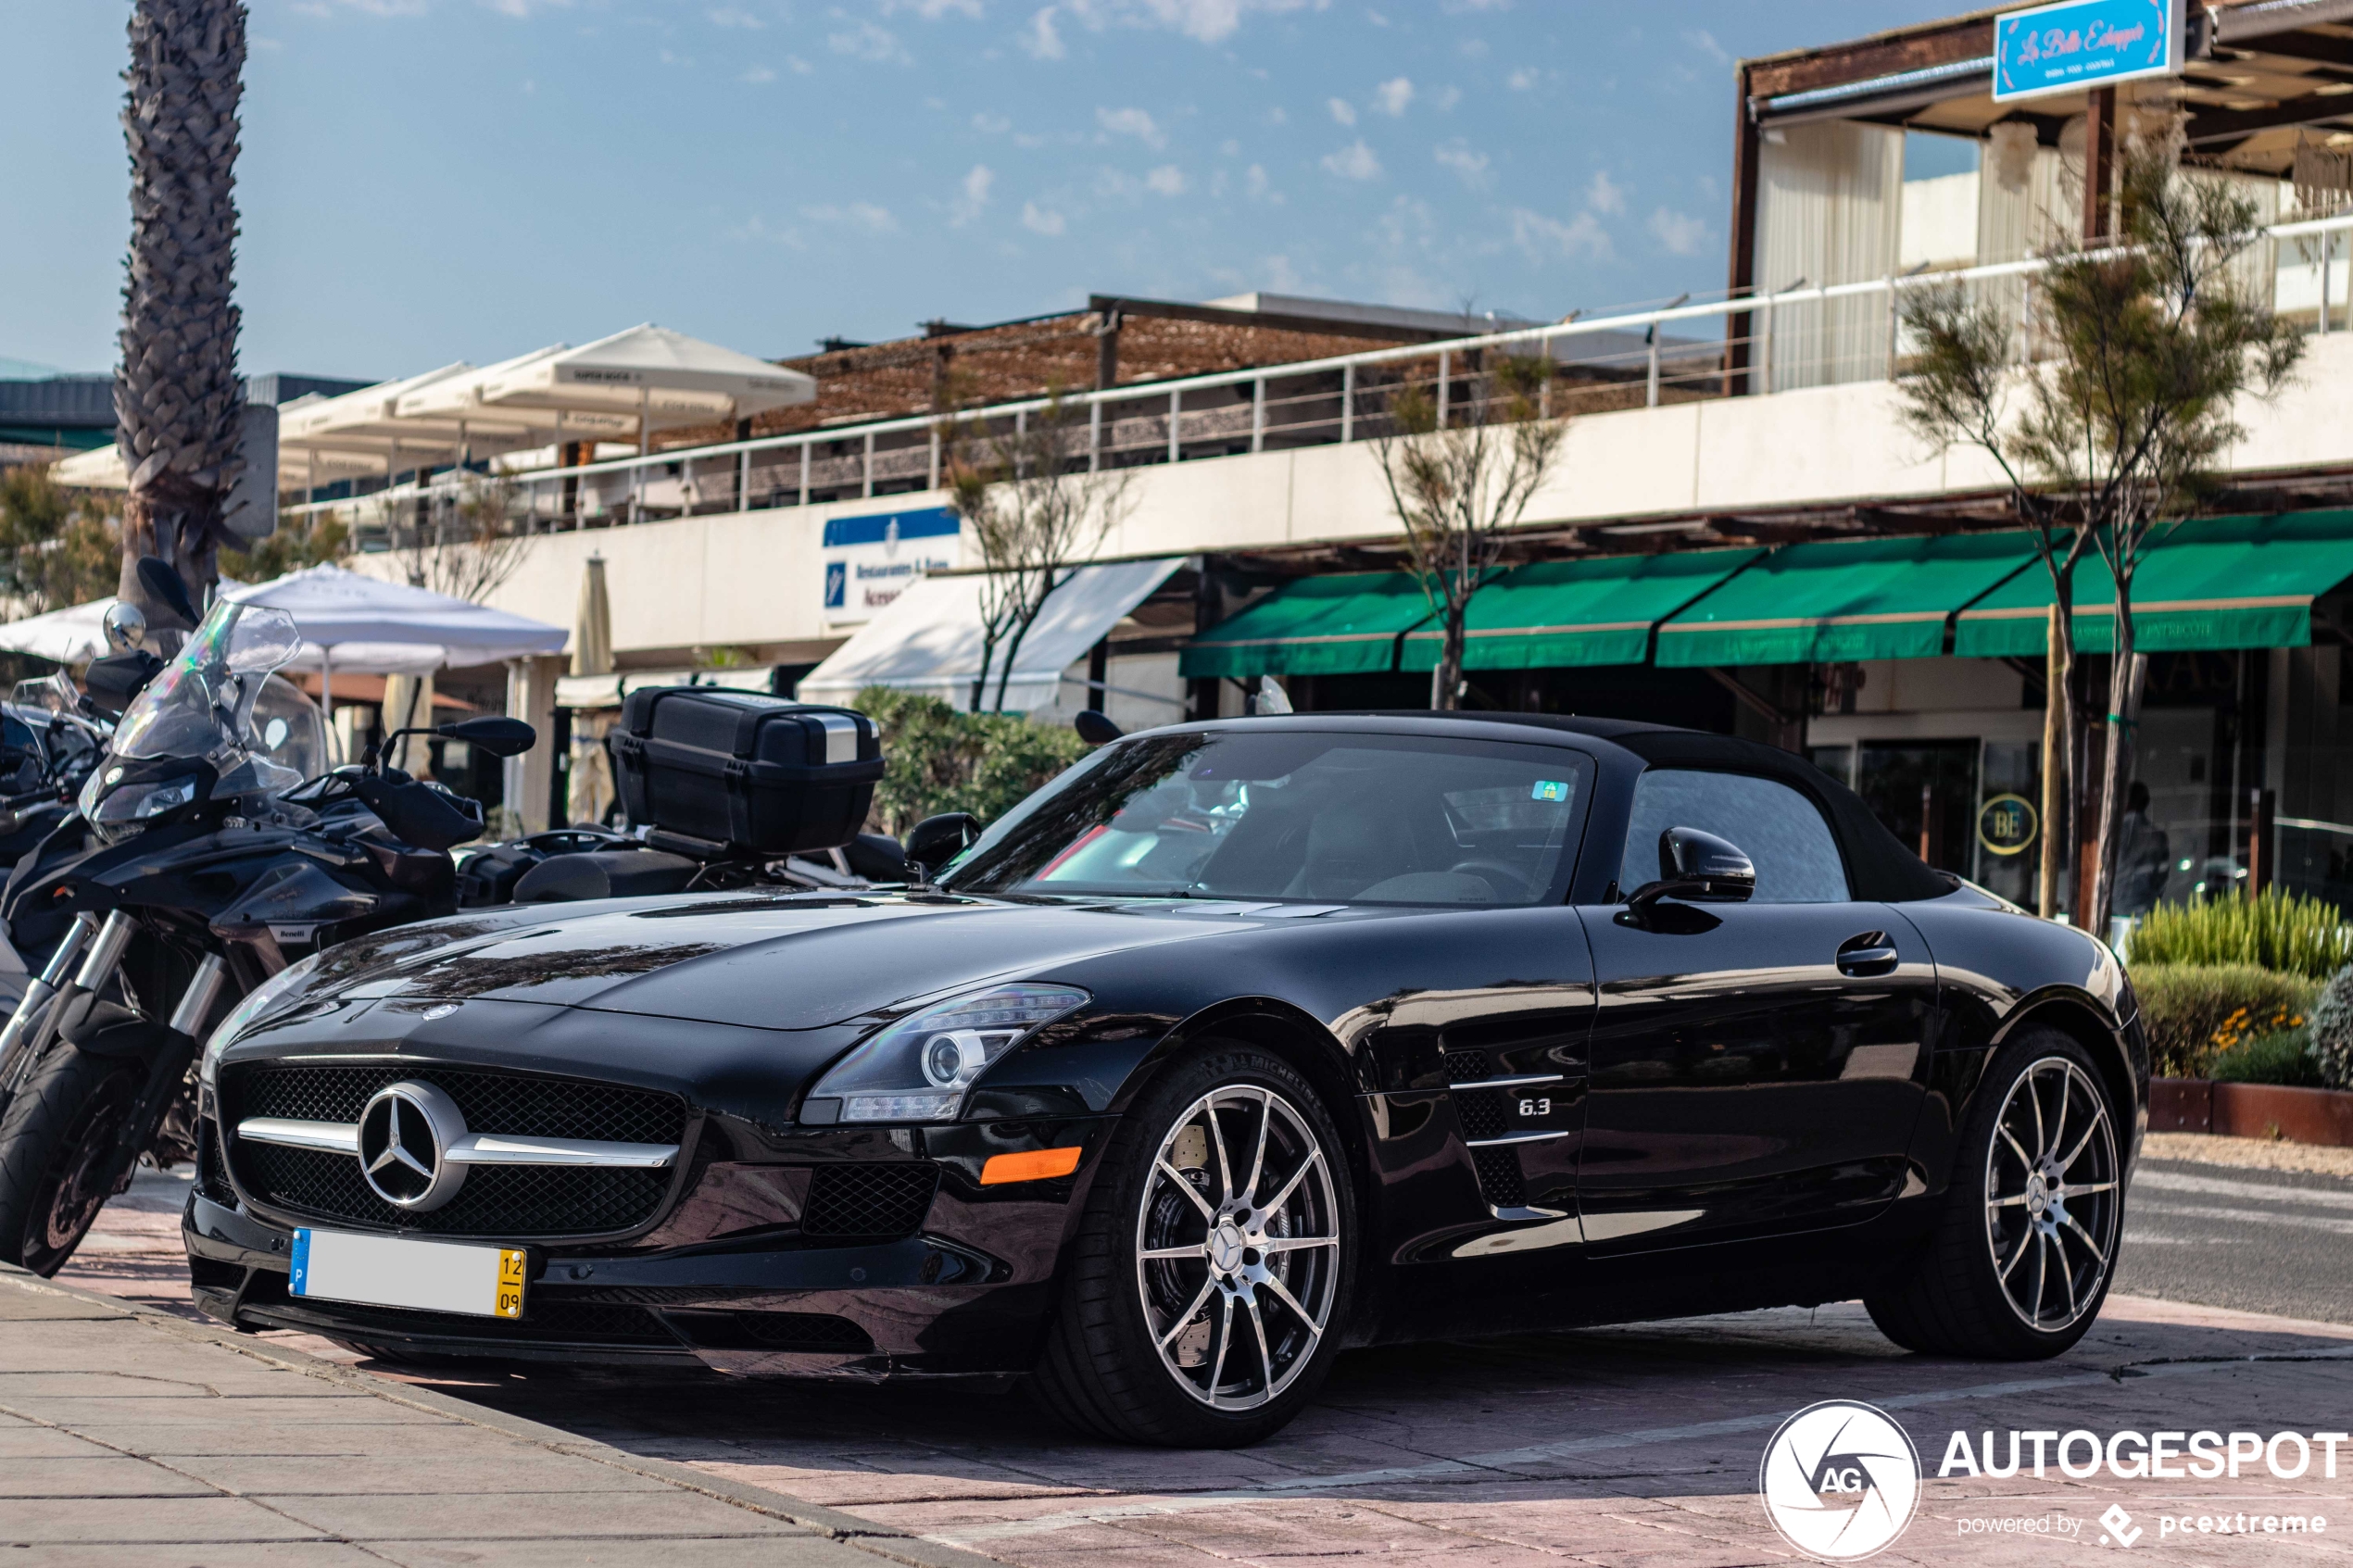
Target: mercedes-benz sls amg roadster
{"type": "Point", "coordinates": [1239, 1043]}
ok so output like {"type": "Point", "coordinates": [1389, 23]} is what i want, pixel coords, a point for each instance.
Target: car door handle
{"type": "Point", "coordinates": [1869, 955]}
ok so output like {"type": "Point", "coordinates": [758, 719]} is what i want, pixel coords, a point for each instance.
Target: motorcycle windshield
{"type": "Point", "coordinates": [201, 706]}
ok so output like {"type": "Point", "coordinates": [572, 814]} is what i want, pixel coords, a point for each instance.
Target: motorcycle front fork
{"type": "Point", "coordinates": [33, 1027]}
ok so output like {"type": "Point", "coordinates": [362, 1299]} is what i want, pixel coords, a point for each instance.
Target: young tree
{"type": "Point", "coordinates": [1457, 485]}
{"type": "Point", "coordinates": [1036, 510]}
{"type": "Point", "coordinates": [468, 548]}
{"type": "Point", "coordinates": [318, 539]}
{"type": "Point", "coordinates": [2152, 342]}
{"type": "Point", "coordinates": [178, 402]}
{"type": "Point", "coordinates": [56, 548]}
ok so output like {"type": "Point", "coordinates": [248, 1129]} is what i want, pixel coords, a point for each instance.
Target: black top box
{"type": "Point", "coordinates": [743, 772]}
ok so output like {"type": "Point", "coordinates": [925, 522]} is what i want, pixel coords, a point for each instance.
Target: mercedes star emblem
{"type": "Point", "coordinates": [404, 1136]}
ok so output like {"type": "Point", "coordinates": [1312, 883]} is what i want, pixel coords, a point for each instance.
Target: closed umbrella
{"type": "Point", "coordinates": [590, 790]}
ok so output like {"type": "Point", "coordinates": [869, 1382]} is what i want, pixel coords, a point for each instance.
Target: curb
{"type": "Point", "coordinates": [880, 1539]}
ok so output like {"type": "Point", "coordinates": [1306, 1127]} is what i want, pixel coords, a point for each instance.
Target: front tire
{"type": "Point", "coordinates": [1210, 1280]}
{"type": "Point", "coordinates": [2023, 1253]}
{"type": "Point", "coordinates": [57, 1142]}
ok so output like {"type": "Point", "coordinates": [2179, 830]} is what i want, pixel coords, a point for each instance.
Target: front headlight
{"type": "Point", "coordinates": [919, 1068]}
{"type": "Point", "coordinates": [117, 811]}
{"type": "Point", "coordinates": [263, 999]}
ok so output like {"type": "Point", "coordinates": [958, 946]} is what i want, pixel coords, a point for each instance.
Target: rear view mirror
{"type": "Point", "coordinates": [498, 736]}
{"type": "Point", "coordinates": [934, 841]}
{"type": "Point", "coordinates": [1698, 868]}
{"type": "Point", "coordinates": [1095, 728]}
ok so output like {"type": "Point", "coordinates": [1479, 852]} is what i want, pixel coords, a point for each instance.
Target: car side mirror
{"type": "Point", "coordinates": [1095, 728]}
{"type": "Point", "coordinates": [496, 734]}
{"type": "Point", "coordinates": [1698, 868]}
{"type": "Point", "coordinates": [934, 841]}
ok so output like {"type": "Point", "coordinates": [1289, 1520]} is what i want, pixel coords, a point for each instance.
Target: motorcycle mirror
{"type": "Point", "coordinates": [934, 841]}
{"type": "Point", "coordinates": [166, 591]}
{"type": "Point", "coordinates": [126, 627]}
{"type": "Point", "coordinates": [1095, 728]}
{"type": "Point", "coordinates": [498, 736]}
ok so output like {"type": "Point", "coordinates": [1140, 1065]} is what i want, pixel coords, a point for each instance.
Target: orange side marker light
{"type": "Point", "coordinates": [1033, 1166]}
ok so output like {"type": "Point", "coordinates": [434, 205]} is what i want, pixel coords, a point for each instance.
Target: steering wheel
{"type": "Point", "coordinates": [1507, 883]}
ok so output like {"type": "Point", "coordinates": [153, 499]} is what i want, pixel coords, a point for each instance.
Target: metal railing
{"type": "Point", "coordinates": [1775, 341]}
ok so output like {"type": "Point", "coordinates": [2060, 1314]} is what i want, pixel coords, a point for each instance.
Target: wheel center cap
{"type": "Point", "coordinates": [2038, 1195]}
{"type": "Point", "coordinates": [1226, 1248]}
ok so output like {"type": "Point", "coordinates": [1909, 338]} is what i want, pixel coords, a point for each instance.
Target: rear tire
{"type": "Point", "coordinates": [57, 1140]}
{"type": "Point", "coordinates": [1209, 1282]}
{"type": "Point", "coordinates": [2025, 1248]}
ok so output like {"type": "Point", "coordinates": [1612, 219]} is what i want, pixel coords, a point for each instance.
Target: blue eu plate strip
{"type": "Point", "coordinates": [301, 1280]}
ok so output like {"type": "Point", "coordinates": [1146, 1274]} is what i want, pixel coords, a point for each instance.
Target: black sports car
{"type": "Point", "coordinates": [1239, 1043]}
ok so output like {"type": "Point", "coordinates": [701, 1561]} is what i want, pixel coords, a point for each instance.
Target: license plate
{"type": "Point", "coordinates": [389, 1271]}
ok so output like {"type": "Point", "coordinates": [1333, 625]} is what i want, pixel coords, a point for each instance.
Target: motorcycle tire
{"type": "Point", "coordinates": [59, 1142]}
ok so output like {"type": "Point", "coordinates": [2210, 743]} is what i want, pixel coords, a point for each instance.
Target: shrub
{"type": "Point", "coordinates": [936, 758]}
{"type": "Point", "coordinates": [2332, 1031]}
{"type": "Point", "coordinates": [2195, 1013]}
{"type": "Point", "coordinates": [2275, 930]}
{"type": "Point", "coordinates": [2283, 1056]}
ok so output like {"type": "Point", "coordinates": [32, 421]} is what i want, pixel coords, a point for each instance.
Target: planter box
{"type": "Point", "coordinates": [2251, 1110]}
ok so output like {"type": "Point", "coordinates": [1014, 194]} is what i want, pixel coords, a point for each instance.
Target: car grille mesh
{"type": "Point", "coordinates": [1481, 1111]}
{"type": "Point", "coordinates": [505, 1201]}
{"type": "Point", "coordinates": [874, 1201]}
{"type": "Point", "coordinates": [1500, 1178]}
{"type": "Point", "coordinates": [1464, 1066]}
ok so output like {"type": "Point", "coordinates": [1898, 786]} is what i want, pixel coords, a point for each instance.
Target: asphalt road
{"type": "Point", "coordinates": [2260, 1241]}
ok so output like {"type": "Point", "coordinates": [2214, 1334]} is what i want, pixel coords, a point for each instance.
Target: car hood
{"type": "Point", "coordinates": [760, 962]}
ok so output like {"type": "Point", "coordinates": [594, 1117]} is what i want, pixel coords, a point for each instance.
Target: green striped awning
{"type": "Point", "coordinates": [2216, 582]}
{"type": "Point", "coordinates": [1574, 612]}
{"type": "Point", "coordinates": [1341, 625]}
{"type": "Point", "coordinates": [1843, 600]}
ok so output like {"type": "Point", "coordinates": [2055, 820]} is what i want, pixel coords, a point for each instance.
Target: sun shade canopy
{"type": "Point", "coordinates": [1842, 600]}
{"type": "Point", "coordinates": [1576, 612]}
{"type": "Point", "coordinates": [339, 610]}
{"type": "Point", "coordinates": [2217, 582]}
{"type": "Point", "coordinates": [928, 639]}
{"type": "Point", "coordinates": [1339, 625]}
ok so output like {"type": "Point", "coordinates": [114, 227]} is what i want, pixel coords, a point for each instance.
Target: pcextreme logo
{"type": "Point", "coordinates": [1839, 1480]}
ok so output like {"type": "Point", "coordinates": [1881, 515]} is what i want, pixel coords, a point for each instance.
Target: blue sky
{"type": "Point", "coordinates": [433, 180]}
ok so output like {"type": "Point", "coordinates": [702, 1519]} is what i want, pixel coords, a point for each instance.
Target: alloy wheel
{"type": "Point", "coordinates": [2051, 1197]}
{"type": "Point", "coordinates": [1238, 1246]}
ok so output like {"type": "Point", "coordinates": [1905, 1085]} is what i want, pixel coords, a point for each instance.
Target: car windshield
{"type": "Point", "coordinates": [1292, 814]}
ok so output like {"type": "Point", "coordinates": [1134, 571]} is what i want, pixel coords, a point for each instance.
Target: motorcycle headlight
{"type": "Point", "coordinates": [117, 809]}
{"type": "Point", "coordinates": [258, 1002]}
{"type": "Point", "coordinates": [919, 1068]}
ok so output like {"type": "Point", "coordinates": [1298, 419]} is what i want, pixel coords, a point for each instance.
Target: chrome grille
{"type": "Point", "coordinates": [511, 1202]}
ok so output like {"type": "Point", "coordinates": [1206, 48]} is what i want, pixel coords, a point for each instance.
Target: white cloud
{"type": "Point", "coordinates": [799, 67]}
{"type": "Point", "coordinates": [1042, 38]}
{"type": "Point", "coordinates": [1167, 181]}
{"type": "Point", "coordinates": [1342, 110]}
{"type": "Point", "coordinates": [1680, 232]}
{"type": "Point", "coordinates": [1521, 80]}
{"type": "Point", "coordinates": [366, 8]}
{"type": "Point", "coordinates": [759, 75]}
{"type": "Point", "coordinates": [967, 207]}
{"type": "Point", "coordinates": [1354, 161]}
{"type": "Point", "coordinates": [1039, 219]}
{"type": "Point", "coordinates": [1277, 117]}
{"type": "Point", "coordinates": [857, 215]}
{"type": "Point", "coordinates": [1257, 186]}
{"type": "Point", "coordinates": [1206, 21]}
{"type": "Point", "coordinates": [1458, 155]}
{"type": "Point", "coordinates": [1132, 122]}
{"type": "Point", "coordinates": [1447, 98]}
{"type": "Point", "coordinates": [868, 41]}
{"type": "Point", "coordinates": [504, 7]}
{"type": "Point", "coordinates": [1280, 276]}
{"type": "Point", "coordinates": [1545, 239]}
{"type": "Point", "coordinates": [932, 10]}
{"type": "Point", "coordinates": [1604, 194]}
{"type": "Point", "coordinates": [734, 16]}
{"type": "Point", "coordinates": [1391, 96]}
{"type": "Point", "coordinates": [991, 124]}
{"type": "Point", "coordinates": [1704, 42]}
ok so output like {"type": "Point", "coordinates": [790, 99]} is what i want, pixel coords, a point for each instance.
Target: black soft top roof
{"type": "Point", "coordinates": [1879, 866]}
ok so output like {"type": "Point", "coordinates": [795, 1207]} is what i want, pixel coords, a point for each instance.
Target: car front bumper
{"type": "Point", "coordinates": [968, 1294]}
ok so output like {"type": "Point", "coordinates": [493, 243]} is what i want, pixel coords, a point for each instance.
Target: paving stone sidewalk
{"type": "Point", "coordinates": [128, 1436]}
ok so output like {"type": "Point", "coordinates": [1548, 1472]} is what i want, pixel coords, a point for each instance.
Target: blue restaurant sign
{"type": "Point", "coordinates": [2080, 44]}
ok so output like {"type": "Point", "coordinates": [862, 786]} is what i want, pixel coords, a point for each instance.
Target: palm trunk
{"type": "Point", "coordinates": [178, 401]}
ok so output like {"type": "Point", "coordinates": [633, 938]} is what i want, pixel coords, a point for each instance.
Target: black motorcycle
{"type": "Point", "coordinates": [198, 877]}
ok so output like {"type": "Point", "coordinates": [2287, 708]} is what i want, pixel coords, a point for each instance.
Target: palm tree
{"type": "Point", "coordinates": [178, 401]}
